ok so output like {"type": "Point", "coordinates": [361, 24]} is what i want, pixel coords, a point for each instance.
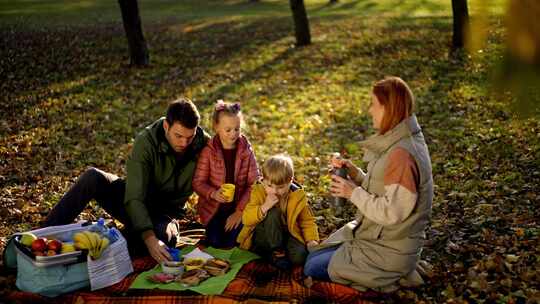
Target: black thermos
{"type": "Point", "coordinates": [339, 202]}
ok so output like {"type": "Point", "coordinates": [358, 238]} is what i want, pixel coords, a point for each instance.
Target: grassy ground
{"type": "Point", "coordinates": [69, 101]}
{"type": "Point", "coordinates": [87, 12]}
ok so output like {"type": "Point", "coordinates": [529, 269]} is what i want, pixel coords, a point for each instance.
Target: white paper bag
{"type": "Point", "coordinates": [112, 267]}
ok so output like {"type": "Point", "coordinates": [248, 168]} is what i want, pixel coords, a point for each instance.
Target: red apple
{"type": "Point", "coordinates": [51, 252]}
{"type": "Point", "coordinates": [55, 245]}
{"type": "Point", "coordinates": [38, 253]}
{"type": "Point", "coordinates": [39, 245]}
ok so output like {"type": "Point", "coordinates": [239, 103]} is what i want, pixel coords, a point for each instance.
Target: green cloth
{"type": "Point", "coordinates": [211, 286]}
{"type": "Point", "coordinates": [157, 177]}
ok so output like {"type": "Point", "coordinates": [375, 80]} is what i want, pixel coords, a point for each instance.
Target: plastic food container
{"type": "Point", "coordinates": [172, 267]}
{"type": "Point", "coordinates": [46, 261]}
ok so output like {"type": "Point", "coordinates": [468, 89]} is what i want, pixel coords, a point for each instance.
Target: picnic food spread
{"type": "Point", "coordinates": [196, 271]}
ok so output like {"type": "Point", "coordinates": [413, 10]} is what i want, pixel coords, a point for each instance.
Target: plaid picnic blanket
{"type": "Point", "coordinates": [257, 282]}
{"type": "Point", "coordinates": [212, 286]}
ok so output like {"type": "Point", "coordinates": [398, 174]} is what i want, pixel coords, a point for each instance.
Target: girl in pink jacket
{"type": "Point", "coordinates": [227, 158]}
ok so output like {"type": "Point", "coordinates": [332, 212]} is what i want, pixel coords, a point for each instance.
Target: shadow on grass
{"type": "Point", "coordinates": [55, 13]}
{"type": "Point", "coordinates": [399, 8]}
{"type": "Point", "coordinates": [64, 86]}
{"type": "Point", "coordinates": [42, 65]}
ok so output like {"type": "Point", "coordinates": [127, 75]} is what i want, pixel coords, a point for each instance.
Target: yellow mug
{"type": "Point", "coordinates": [227, 190]}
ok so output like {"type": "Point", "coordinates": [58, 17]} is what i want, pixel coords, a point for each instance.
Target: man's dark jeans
{"type": "Point", "coordinates": [108, 190]}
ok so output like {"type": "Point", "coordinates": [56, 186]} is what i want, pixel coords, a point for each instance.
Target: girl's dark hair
{"type": "Point", "coordinates": [225, 107]}
{"type": "Point", "coordinates": [184, 112]}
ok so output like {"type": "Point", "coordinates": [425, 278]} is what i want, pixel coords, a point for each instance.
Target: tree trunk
{"type": "Point", "coordinates": [461, 23]}
{"type": "Point", "coordinates": [301, 23]}
{"type": "Point", "coordinates": [138, 50]}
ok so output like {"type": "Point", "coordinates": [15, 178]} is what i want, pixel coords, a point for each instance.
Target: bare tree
{"type": "Point", "coordinates": [301, 23]}
{"type": "Point", "coordinates": [461, 23]}
{"type": "Point", "coordinates": [138, 51]}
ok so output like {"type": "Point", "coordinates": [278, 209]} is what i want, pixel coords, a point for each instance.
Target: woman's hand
{"type": "Point", "coordinates": [218, 196]}
{"type": "Point", "coordinates": [312, 243]}
{"type": "Point", "coordinates": [337, 162]}
{"type": "Point", "coordinates": [156, 248]}
{"type": "Point", "coordinates": [341, 187]}
{"type": "Point", "coordinates": [233, 221]}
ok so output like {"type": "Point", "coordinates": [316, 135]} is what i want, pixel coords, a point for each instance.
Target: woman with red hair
{"type": "Point", "coordinates": [381, 247]}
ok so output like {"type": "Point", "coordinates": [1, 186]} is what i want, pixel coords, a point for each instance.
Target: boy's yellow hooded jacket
{"type": "Point", "coordinates": [300, 220]}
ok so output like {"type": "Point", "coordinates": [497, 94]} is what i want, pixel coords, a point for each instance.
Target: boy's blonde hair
{"type": "Point", "coordinates": [278, 169]}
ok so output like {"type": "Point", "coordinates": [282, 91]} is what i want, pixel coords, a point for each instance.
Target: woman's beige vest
{"type": "Point", "coordinates": [409, 234]}
{"type": "Point", "coordinates": [376, 256]}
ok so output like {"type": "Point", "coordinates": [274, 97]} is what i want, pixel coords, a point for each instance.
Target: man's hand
{"type": "Point", "coordinates": [156, 248]}
{"type": "Point", "coordinates": [341, 187]}
{"type": "Point", "coordinates": [218, 196]}
{"type": "Point", "coordinates": [233, 221]}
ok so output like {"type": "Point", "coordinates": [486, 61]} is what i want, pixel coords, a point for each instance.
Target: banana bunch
{"type": "Point", "coordinates": [67, 247]}
{"type": "Point", "coordinates": [91, 241]}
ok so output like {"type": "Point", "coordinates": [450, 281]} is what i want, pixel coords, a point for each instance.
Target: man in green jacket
{"type": "Point", "coordinates": [158, 183]}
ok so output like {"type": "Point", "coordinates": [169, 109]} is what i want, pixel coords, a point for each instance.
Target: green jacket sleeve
{"type": "Point", "coordinates": [139, 166]}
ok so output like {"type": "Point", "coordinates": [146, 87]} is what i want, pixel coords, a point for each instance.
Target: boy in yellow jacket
{"type": "Point", "coordinates": [278, 222]}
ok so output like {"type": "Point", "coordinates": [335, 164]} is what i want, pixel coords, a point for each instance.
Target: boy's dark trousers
{"type": "Point", "coordinates": [270, 236]}
{"type": "Point", "coordinates": [108, 190]}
